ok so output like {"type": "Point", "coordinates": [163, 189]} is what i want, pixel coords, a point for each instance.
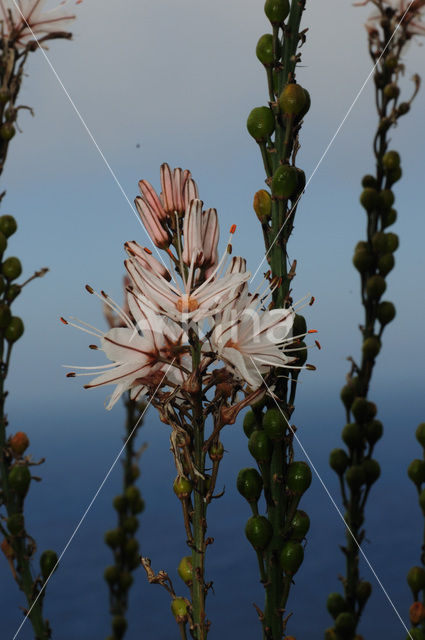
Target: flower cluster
{"type": "Point", "coordinates": [23, 20]}
{"type": "Point", "coordinates": [198, 298]}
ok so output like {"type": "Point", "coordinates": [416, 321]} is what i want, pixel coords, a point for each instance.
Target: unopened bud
{"type": "Point", "coordinates": [264, 50]}
{"type": "Point", "coordinates": [262, 205]}
{"type": "Point", "coordinates": [276, 11]}
{"type": "Point", "coordinates": [375, 287]}
{"type": "Point", "coordinates": [293, 99]}
{"type": "Point", "coordinates": [260, 123]}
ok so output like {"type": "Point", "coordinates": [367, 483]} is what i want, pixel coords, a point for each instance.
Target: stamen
{"type": "Point", "coordinates": [148, 251]}
{"type": "Point", "coordinates": [311, 301]}
{"type": "Point", "coordinates": [232, 229]}
{"type": "Point", "coordinates": [312, 331]}
{"type": "Point", "coordinates": [319, 346]}
{"type": "Point", "coordinates": [89, 288]}
{"type": "Point", "coordinates": [71, 374]}
{"type": "Point", "coordinates": [63, 320]}
{"type": "Point", "coordinates": [93, 346]}
{"type": "Point", "coordinates": [310, 367]}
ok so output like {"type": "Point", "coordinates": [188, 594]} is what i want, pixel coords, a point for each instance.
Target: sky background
{"type": "Point", "coordinates": [175, 82]}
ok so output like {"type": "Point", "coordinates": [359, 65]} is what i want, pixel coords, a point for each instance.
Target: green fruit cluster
{"type": "Point", "coordinates": [11, 327]}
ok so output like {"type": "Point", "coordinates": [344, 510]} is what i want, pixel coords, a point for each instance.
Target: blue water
{"type": "Point", "coordinates": [79, 453]}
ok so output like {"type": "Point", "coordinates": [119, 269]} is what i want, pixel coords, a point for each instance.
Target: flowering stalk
{"type": "Point", "coordinates": [276, 128]}
{"type": "Point", "coordinates": [200, 347]}
{"type": "Point", "coordinates": [16, 42]}
{"type": "Point", "coordinates": [374, 259]}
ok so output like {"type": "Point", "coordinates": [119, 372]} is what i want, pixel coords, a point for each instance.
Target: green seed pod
{"type": "Point", "coordinates": [416, 580]}
{"type": "Point", "coordinates": [372, 470]}
{"type": "Point", "coordinates": [386, 263]}
{"type": "Point", "coordinates": [371, 347]}
{"type": "Point", "coordinates": [19, 480]}
{"type": "Point", "coordinates": [389, 217]}
{"type": "Point", "coordinates": [262, 205]}
{"type": "Point", "coordinates": [379, 242]}
{"type": "Point", "coordinates": [276, 11]}
{"type": "Point", "coordinates": [298, 478]}
{"type": "Point", "coordinates": [249, 423]}
{"type": "Point", "coordinates": [111, 574]}
{"type": "Point", "coordinates": [300, 524]}
{"type": "Point", "coordinates": [182, 487]}
{"type": "Point", "coordinates": [416, 472]}
{"type": "Point", "coordinates": [264, 50]}
{"type": "Point", "coordinates": [391, 63]}
{"type": "Point", "coordinates": [120, 504]}
{"type": "Point", "coordinates": [130, 525]}
{"type": "Point", "coordinates": [385, 200]}
{"type": "Point", "coordinates": [11, 268]}
{"type": "Point", "coordinates": [355, 477]}
{"type": "Point", "coordinates": [293, 99]}
{"type": "Point", "coordinates": [420, 434]}
{"type": "Point", "coordinates": [338, 461]}
{"type": "Point", "coordinates": [299, 327]}
{"type": "Point", "coordinates": [5, 315]}
{"type": "Point", "coordinates": [291, 557]}
{"type": "Point", "coordinates": [392, 242]}
{"type": "Point", "coordinates": [363, 410]}
{"type": "Point", "coordinates": [352, 435]}
{"type": "Point", "coordinates": [347, 395]}
{"type": "Point", "coordinates": [119, 626]}
{"type": "Point", "coordinates": [14, 329]}
{"type": "Point", "coordinates": [422, 500]}
{"type": "Point", "coordinates": [363, 260]}
{"type": "Point", "coordinates": [385, 312]}
{"type": "Point", "coordinates": [216, 451]}
{"type": "Point", "coordinates": [260, 446]}
{"type": "Point", "coordinates": [185, 569]}
{"type": "Point", "coordinates": [131, 547]}
{"type": "Point", "coordinates": [391, 160]}
{"type": "Point", "coordinates": [274, 424]}
{"type": "Point", "coordinates": [15, 523]}
{"type": "Point", "coordinates": [369, 182]}
{"type": "Point", "coordinates": [13, 291]}
{"type": "Point", "coordinates": [335, 604]}
{"type": "Point", "coordinates": [403, 108]}
{"type": "Point", "coordinates": [284, 181]}
{"type": "Point", "coordinates": [345, 624]}
{"type": "Point", "coordinates": [179, 608]}
{"type": "Point", "coordinates": [373, 431]}
{"type": "Point", "coordinates": [133, 562]}
{"type": "Point", "coordinates": [48, 563]}
{"type": "Point", "coordinates": [125, 580]}
{"type": "Point", "coordinates": [391, 91]}
{"type": "Point", "coordinates": [8, 225]}
{"type": "Point", "coordinates": [249, 483]}
{"type": "Point", "coordinates": [7, 131]}
{"type": "Point", "coordinates": [259, 531]}
{"type": "Point", "coordinates": [363, 591]}
{"type": "Point", "coordinates": [394, 175]}
{"type": "Point", "coordinates": [132, 495]}
{"type": "Point", "coordinates": [369, 199]}
{"type": "Point", "coordinates": [416, 634]}
{"type": "Point", "coordinates": [375, 287]}
{"type": "Point", "coordinates": [113, 538]}
{"type": "Point", "coordinates": [260, 123]}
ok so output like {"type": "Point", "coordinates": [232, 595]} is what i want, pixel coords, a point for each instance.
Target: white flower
{"type": "Point", "coordinates": [21, 25]}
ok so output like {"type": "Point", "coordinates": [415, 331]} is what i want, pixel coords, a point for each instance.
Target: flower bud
{"type": "Point", "coordinates": [120, 504]}
{"type": "Point", "coordinates": [416, 580]}
{"type": "Point", "coordinates": [385, 312]}
{"type": "Point", "coordinates": [363, 410]}
{"type": "Point", "coordinates": [389, 217]}
{"type": "Point", "coordinates": [391, 62]}
{"type": "Point", "coordinates": [262, 205]}
{"type": "Point", "coordinates": [363, 260]}
{"type": "Point", "coordinates": [355, 477]}
{"type": "Point", "coordinates": [345, 624]}
{"type": "Point", "coordinates": [379, 242]}
{"type": "Point", "coordinates": [259, 532]}
{"type": "Point", "coordinates": [131, 548]}
{"type": "Point", "coordinates": [416, 472]}
{"type": "Point", "coordinates": [132, 495]}
{"type": "Point", "coordinates": [260, 123]}
{"type": "Point", "coordinates": [347, 395]}
{"type": "Point", "coordinates": [8, 225]}
{"type": "Point", "coordinates": [392, 241]}
{"type": "Point", "coordinates": [14, 329]}
{"type": "Point", "coordinates": [372, 470]}
{"type": "Point", "coordinates": [284, 181]}
{"type": "Point", "coordinates": [369, 181]}
{"type": "Point", "coordinates": [403, 108]}
{"type": "Point", "coordinates": [298, 478]}
{"type": "Point", "coordinates": [111, 574]}
{"type": "Point", "coordinates": [114, 538]}
{"type": "Point", "coordinates": [373, 431]}
{"type": "Point", "coordinates": [182, 487]}
{"type": "Point", "coordinates": [335, 604]}
{"type": "Point", "coordinates": [19, 442]}
{"type": "Point", "coordinates": [338, 461]}
{"type": "Point", "coordinates": [15, 524]}
{"type": "Point", "coordinates": [274, 424]}
{"type": "Point", "coordinates": [375, 287]}
{"type": "Point", "coordinates": [371, 347]}
{"type": "Point", "coordinates": [291, 557]}
{"type": "Point", "coordinates": [185, 569]}
{"type": "Point", "coordinates": [352, 435]}
{"type": "Point", "coordinates": [249, 484]}
{"type": "Point", "coordinates": [260, 446]}
{"type": "Point", "coordinates": [363, 591]}
{"type": "Point", "coordinates": [300, 524]}
{"type": "Point", "coordinates": [386, 263]}
{"type": "Point", "coordinates": [119, 626]}
{"type": "Point", "coordinates": [293, 99]}
{"type": "Point", "coordinates": [391, 91]}
{"type": "Point", "coordinates": [48, 563]}
{"type": "Point", "coordinates": [216, 451]}
{"type": "Point", "coordinates": [11, 268]}
{"type": "Point", "coordinates": [276, 10]}
{"type": "Point", "coordinates": [249, 423]}
{"type": "Point", "coordinates": [391, 160]}
{"type": "Point", "coordinates": [369, 199]}
{"type": "Point", "coordinates": [125, 580]}
{"type": "Point", "coordinates": [179, 608]}
{"type": "Point", "coordinates": [7, 131]}
{"type": "Point", "coordinates": [130, 525]}
{"type": "Point", "coordinates": [264, 50]}
{"type": "Point", "coordinates": [385, 199]}
{"type": "Point", "coordinates": [19, 480]}
{"type": "Point", "coordinates": [420, 434]}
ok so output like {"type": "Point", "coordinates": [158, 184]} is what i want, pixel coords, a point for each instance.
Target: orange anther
{"type": "Point", "coordinates": [319, 346]}
{"type": "Point", "coordinates": [312, 300]}
{"type": "Point", "coordinates": [71, 374]}
{"type": "Point", "coordinates": [312, 331]}
{"type": "Point", "coordinates": [148, 250]}
{"type": "Point", "coordinates": [63, 320]}
{"type": "Point", "coordinates": [233, 228]}
{"type": "Point", "coordinates": [89, 288]}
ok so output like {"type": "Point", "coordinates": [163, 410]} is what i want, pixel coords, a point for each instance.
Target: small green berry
{"type": "Point", "coordinates": [300, 524]}
{"type": "Point", "coordinates": [8, 225]}
{"type": "Point", "coordinates": [371, 347]}
{"type": "Point", "coordinates": [372, 470]}
{"type": "Point", "coordinates": [352, 435]}
{"type": "Point", "coordinates": [363, 410]}
{"type": "Point", "coordinates": [19, 480]}
{"type": "Point", "coordinates": [416, 580]}
{"type": "Point", "coordinates": [260, 446]}
{"type": "Point", "coordinates": [335, 604]}
{"type": "Point", "coordinates": [386, 263]}
{"type": "Point", "coordinates": [111, 574]}
{"type": "Point", "coordinates": [338, 461]}
{"type": "Point", "coordinates": [260, 123]}
{"type": "Point", "coordinates": [363, 591]}
{"type": "Point", "coordinates": [355, 477]}
{"type": "Point", "coordinates": [249, 484]}
{"type": "Point", "coordinates": [185, 569]}
{"type": "Point", "coordinates": [369, 198]}
{"type": "Point", "coordinates": [391, 160]}
{"type": "Point", "coordinates": [291, 556]}
{"type": "Point", "coordinates": [11, 268]}
{"type": "Point", "coordinates": [276, 11]}
{"type": "Point", "coordinates": [262, 205]}
{"type": "Point", "coordinates": [7, 131]}
{"type": "Point", "coordinates": [416, 472]}
{"type": "Point", "coordinates": [375, 287]}
{"type": "Point", "coordinates": [345, 624]}
{"type": "Point", "coordinates": [385, 312]}
{"type": "Point", "coordinates": [373, 431]}
{"type": "Point", "coordinates": [274, 424]}
{"type": "Point", "coordinates": [249, 423]}
{"type": "Point", "coordinates": [259, 531]}
{"type": "Point", "coordinates": [14, 329]}
{"type": "Point", "coordinates": [370, 182]}
{"type": "Point", "coordinates": [284, 181]}
{"type": "Point", "coordinates": [264, 50]}
{"type": "Point", "coordinates": [298, 478]}
{"type": "Point", "coordinates": [179, 608]}
{"type": "Point", "coordinates": [293, 99]}
{"type": "Point", "coordinates": [182, 487]}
